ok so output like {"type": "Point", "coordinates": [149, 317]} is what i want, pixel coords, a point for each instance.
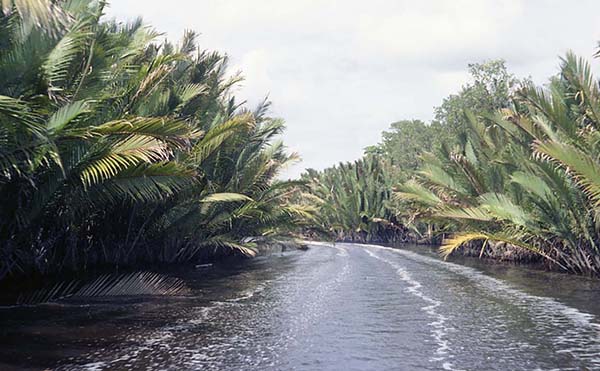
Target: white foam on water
{"type": "Point", "coordinates": [95, 366]}
{"type": "Point", "coordinates": [581, 335]}
{"type": "Point", "coordinates": [248, 294]}
{"type": "Point", "coordinates": [318, 243]}
{"type": "Point", "coordinates": [439, 329]}
{"type": "Point", "coordinates": [161, 338]}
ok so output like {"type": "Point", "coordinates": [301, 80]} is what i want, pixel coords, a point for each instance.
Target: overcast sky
{"type": "Point", "coordinates": [339, 72]}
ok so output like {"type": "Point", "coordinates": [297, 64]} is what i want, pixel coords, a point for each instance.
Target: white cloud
{"type": "Point", "coordinates": [255, 66]}
{"type": "Point", "coordinates": [432, 29]}
{"type": "Point", "coordinates": [340, 72]}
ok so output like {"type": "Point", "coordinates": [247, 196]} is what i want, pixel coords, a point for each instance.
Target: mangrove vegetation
{"type": "Point", "coordinates": [148, 222]}
{"type": "Point", "coordinates": [506, 170]}
{"type": "Point", "coordinates": [119, 149]}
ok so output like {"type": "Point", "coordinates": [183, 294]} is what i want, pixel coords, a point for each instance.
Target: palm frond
{"type": "Point", "coordinates": [415, 191]}
{"type": "Point", "coordinates": [225, 197]}
{"type": "Point", "coordinates": [217, 135]}
{"type": "Point", "coordinates": [57, 63]}
{"type": "Point", "coordinates": [472, 213]}
{"type": "Point", "coordinates": [44, 14]}
{"type": "Point", "coordinates": [110, 285]}
{"type": "Point", "coordinates": [501, 207]}
{"type": "Point", "coordinates": [146, 183]}
{"type": "Point", "coordinates": [114, 158]}
{"type": "Point", "coordinates": [452, 244]}
{"type": "Point", "coordinates": [67, 113]}
{"type": "Point", "coordinates": [583, 168]}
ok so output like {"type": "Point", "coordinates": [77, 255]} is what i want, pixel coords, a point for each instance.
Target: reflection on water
{"type": "Point", "coordinates": [349, 307]}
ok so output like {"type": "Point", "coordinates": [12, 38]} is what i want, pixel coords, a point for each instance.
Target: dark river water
{"type": "Point", "coordinates": [346, 307]}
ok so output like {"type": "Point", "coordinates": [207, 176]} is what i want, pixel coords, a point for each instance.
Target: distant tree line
{"type": "Point", "coordinates": [506, 169]}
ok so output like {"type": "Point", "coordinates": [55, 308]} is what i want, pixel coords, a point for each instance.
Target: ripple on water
{"type": "Point", "coordinates": [339, 308]}
{"type": "Point", "coordinates": [567, 330]}
{"type": "Point", "coordinates": [439, 329]}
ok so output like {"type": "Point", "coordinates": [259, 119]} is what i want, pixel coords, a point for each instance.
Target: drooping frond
{"type": "Point", "coordinates": [175, 132]}
{"type": "Point", "coordinates": [67, 113]}
{"type": "Point", "coordinates": [532, 183]}
{"type": "Point", "coordinates": [435, 174]}
{"type": "Point", "coordinates": [146, 183]}
{"type": "Point", "coordinates": [225, 242]}
{"type": "Point", "coordinates": [584, 169]}
{"type": "Point", "coordinates": [471, 213]}
{"type": "Point", "coordinates": [502, 208]}
{"type": "Point", "coordinates": [218, 134]}
{"type": "Point", "coordinates": [415, 191]}
{"type": "Point", "coordinates": [225, 197]}
{"type": "Point", "coordinates": [452, 244]}
{"type": "Point", "coordinates": [114, 158]}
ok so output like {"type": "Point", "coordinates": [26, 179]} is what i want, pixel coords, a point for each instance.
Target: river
{"type": "Point", "coordinates": [343, 307]}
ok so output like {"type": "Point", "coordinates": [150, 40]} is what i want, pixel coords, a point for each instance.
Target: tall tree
{"type": "Point", "coordinates": [490, 89]}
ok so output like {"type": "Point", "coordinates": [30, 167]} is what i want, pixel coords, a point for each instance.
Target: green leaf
{"type": "Point", "coordinates": [66, 114]}
{"type": "Point", "coordinates": [225, 197]}
{"type": "Point", "coordinates": [582, 167]}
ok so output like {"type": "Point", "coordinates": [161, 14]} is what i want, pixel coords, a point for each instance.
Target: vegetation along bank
{"type": "Point", "coordinates": [121, 149]}
{"type": "Point", "coordinates": [507, 170]}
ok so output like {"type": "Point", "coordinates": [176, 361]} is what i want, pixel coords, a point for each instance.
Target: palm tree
{"type": "Point", "coordinates": [354, 200]}
{"type": "Point", "coordinates": [525, 177]}
{"type": "Point", "coordinates": [111, 144]}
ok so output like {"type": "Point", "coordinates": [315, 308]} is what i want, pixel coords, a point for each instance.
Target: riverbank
{"type": "Point", "coordinates": [134, 279]}
{"type": "Point", "coordinates": [488, 252]}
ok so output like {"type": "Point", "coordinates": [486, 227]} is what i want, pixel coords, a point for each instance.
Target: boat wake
{"type": "Point", "coordinates": [439, 327]}
{"type": "Point", "coordinates": [580, 337]}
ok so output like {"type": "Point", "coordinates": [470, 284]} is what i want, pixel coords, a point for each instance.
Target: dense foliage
{"type": "Point", "coordinates": [399, 156]}
{"type": "Point", "coordinates": [507, 169]}
{"type": "Point", "coordinates": [354, 200]}
{"type": "Point", "coordinates": [115, 149]}
{"type": "Point", "coordinates": [405, 142]}
{"type": "Point", "coordinates": [526, 176]}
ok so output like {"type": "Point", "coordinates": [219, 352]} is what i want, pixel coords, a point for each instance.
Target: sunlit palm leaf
{"type": "Point", "coordinates": [129, 152]}
{"type": "Point", "coordinates": [452, 244]}
{"type": "Point", "coordinates": [217, 135]}
{"type": "Point", "coordinates": [471, 213]}
{"type": "Point", "coordinates": [225, 197]}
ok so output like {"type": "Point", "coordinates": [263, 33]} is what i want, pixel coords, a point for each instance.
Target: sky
{"type": "Point", "coordinates": [340, 72]}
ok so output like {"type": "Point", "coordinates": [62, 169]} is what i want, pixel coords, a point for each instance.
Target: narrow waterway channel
{"type": "Point", "coordinates": [343, 307]}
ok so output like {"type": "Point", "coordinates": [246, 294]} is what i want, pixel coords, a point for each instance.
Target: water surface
{"type": "Point", "coordinates": [346, 307]}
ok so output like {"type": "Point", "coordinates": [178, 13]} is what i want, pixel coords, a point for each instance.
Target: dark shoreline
{"type": "Point", "coordinates": [493, 255]}
{"type": "Point", "coordinates": [11, 288]}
